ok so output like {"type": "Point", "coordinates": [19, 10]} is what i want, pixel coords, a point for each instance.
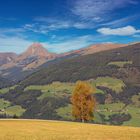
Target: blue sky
{"type": "Point", "coordinates": [65, 25]}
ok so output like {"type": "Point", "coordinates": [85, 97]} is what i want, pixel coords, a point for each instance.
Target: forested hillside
{"type": "Point", "coordinates": [121, 63]}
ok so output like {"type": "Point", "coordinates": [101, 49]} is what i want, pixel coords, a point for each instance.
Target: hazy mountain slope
{"type": "Point", "coordinates": [99, 48]}
{"type": "Point", "coordinates": [7, 57]}
{"type": "Point", "coordinates": [33, 57]}
{"type": "Point", "coordinates": [4, 82]}
{"type": "Point", "coordinates": [24, 64]}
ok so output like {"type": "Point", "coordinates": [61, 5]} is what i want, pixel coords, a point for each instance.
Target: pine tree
{"type": "Point", "coordinates": [83, 101]}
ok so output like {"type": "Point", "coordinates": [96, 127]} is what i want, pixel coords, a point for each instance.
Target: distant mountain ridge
{"type": "Point", "coordinates": [33, 57]}
{"type": "Point", "coordinates": [14, 67]}
{"type": "Point", "coordinates": [38, 52]}
{"type": "Point", "coordinates": [36, 57]}
{"type": "Point", "coordinates": [100, 47]}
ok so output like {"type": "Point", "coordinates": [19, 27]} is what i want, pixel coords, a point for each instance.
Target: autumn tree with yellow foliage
{"type": "Point", "coordinates": [83, 102]}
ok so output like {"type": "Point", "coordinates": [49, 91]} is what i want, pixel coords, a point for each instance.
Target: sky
{"type": "Point", "coordinates": [65, 25]}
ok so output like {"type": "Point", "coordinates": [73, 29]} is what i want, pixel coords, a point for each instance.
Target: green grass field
{"type": "Point", "coordinates": [102, 113]}
{"type": "Point", "coordinates": [120, 64]}
{"type": "Point", "coordinates": [56, 89]}
{"type": "Point", "coordinates": [56, 130]}
{"type": "Point", "coordinates": [15, 110]}
{"type": "Point", "coordinates": [114, 84]}
{"type": "Point", "coordinates": [7, 108]}
{"type": "Point", "coordinates": [59, 88]}
{"type": "Point", "coordinates": [5, 90]}
{"type": "Point", "coordinates": [4, 104]}
{"type": "Point", "coordinates": [65, 112]}
{"type": "Point", "coordinates": [106, 110]}
{"type": "Point", "coordinates": [135, 113]}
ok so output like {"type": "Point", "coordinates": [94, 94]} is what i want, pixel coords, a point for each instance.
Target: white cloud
{"type": "Point", "coordinates": [82, 25]}
{"type": "Point", "coordinates": [69, 44]}
{"type": "Point", "coordinates": [73, 43]}
{"type": "Point", "coordinates": [44, 28]}
{"type": "Point", "coordinates": [59, 45]}
{"type": "Point", "coordinates": [44, 25]}
{"type": "Point", "coordinates": [94, 9]}
{"type": "Point", "coordinates": [123, 31]}
{"type": "Point", "coordinates": [64, 44]}
{"type": "Point", "coordinates": [36, 28]}
{"type": "Point", "coordinates": [13, 40]}
{"type": "Point", "coordinates": [11, 30]}
{"type": "Point", "coordinates": [121, 21]}
{"type": "Point", "coordinates": [14, 44]}
{"type": "Point", "coordinates": [136, 36]}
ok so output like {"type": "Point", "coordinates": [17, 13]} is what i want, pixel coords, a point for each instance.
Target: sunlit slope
{"type": "Point", "coordinates": [55, 130]}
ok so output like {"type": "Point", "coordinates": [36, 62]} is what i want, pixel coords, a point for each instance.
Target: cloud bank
{"type": "Point", "coordinates": [123, 31]}
{"type": "Point", "coordinates": [95, 9]}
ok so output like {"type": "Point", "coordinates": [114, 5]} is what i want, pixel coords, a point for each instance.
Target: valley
{"type": "Point", "coordinates": [46, 93]}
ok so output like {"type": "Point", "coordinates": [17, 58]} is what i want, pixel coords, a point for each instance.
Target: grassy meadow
{"type": "Point", "coordinates": [7, 108]}
{"type": "Point", "coordinates": [5, 90]}
{"type": "Point", "coordinates": [120, 64]}
{"type": "Point", "coordinates": [57, 130]}
{"type": "Point", "coordinates": [53, 102]}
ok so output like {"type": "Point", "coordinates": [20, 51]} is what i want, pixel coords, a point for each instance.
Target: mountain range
{"type": "Point", "coordinates": [38, 84]}
{"type": "Point", "coordinates": [36, 55]}
{"type": "Point", "coordinates": [15, 67]}
{"type": "Point", "coordinates": [33, 57]}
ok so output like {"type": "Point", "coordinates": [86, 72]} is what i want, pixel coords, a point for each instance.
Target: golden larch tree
{"type": "Point", "coordinates": [83, 102]}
